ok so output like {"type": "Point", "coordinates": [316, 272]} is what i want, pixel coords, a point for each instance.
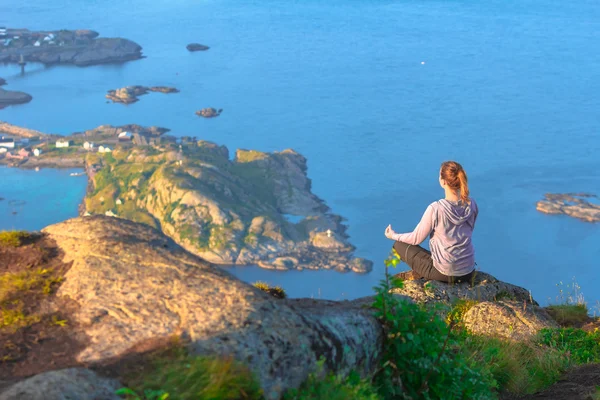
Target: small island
{"type": "Point", "coordinates": [9, 98]}
{"type": "Point", "coordinates": [209, 112]}
{"type": "Point", "coordinates": [78, 47]}
{"type": "Point", "coordinates": [257, 209]}
{"type": "Point", "coordinates": [576, 205]}
{"type": "Point", "coordinates": [197, 47]}
{"type": "Point", "coordinates": [129, 94]}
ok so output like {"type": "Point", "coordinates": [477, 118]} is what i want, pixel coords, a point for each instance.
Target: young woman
{"type": "Point", "coordinates": [449, 223]}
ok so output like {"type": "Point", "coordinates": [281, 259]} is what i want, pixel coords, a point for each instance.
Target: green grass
{"type": "Point", "coordinates": [517, 367]}
{"type": "Point", "coordinates": [580, 346]}
{"type": "Point", "coordinates": [459, 309]}
{"type": "Point", "coordinates": [184, 377]}
{"type": "Point", "coordinates": [13, 238]}
{"type": "Point", "coordinates": [569, 314]}
{"type": "Point", "coordinates": [14, 287]}
{"type": "Point", "coordinates": [333, 387]}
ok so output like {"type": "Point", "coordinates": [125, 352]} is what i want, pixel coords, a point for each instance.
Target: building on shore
{"type": "Point", "coordinates": [37, 152]}
{"type": "Point", "coordinates": [9, 143]}
{"type": "Point", "coordinates": [104, 149]}
{"type": "Point", "coordinates": [2, 31]}
{"type": "Point", "coordinates": [63, 143]}
{"type": "Point", "coordinates": [89, 146]}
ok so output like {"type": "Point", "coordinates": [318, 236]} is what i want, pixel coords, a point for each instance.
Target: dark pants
{"type": "Point", "coordinates": [420, 261]}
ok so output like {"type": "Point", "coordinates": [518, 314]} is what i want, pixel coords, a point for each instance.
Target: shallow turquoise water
{"type": "Point", "coordinates": [508, 88]}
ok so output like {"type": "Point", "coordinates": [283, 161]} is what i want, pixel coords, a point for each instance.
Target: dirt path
{"type": "Point", "coordinates": [579, 384]}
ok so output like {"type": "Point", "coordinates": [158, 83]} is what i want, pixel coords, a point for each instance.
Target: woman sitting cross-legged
{"type": "Point", "coordinates": [449, 223]}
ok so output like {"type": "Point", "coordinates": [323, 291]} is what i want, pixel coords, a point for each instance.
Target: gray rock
{"type": "Point", "coordinates": [508, 319]}
{"type": "Point", "coordinates": [66, 384]}
{"type": "Point", "coordinates": [133, 284]}
{"type": "Point", "coordinates": [196, 47]}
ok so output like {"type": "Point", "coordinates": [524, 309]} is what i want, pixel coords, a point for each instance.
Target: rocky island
{"type": "Point", "coordinates": [78, 47]}
{"type": "Point", "coordinates": [576, 205]}
{"type": "Point", "coordinates": [209, 112]}
{"type": "Point", "coordinates": [129, 94]}
{"type": "Point", "coordinates": [9, 98]}
{"type": "Point", "coordinates": [257, 209]}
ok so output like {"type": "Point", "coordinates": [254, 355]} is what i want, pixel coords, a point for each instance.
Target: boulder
{"type": "Point", "coordinates": [132, 285]}
{"type": "Point", "coordinates": [196, 47]}
{"type": "Point", "coordinates": [508, 319]}
{"type": "Point", "coordinates": [66, 384]}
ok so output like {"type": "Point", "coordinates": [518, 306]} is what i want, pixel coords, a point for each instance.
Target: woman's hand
{"type": "Point", "coordinates": [389, 232]}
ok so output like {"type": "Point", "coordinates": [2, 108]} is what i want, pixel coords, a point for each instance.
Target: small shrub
{"type": "Point", "coordinates": [569, 314]}
{"type": "Point", "coordinates": [275, 291]}
{"type": "Point", "coordinates": [420, 356]}
{"type": "Point", "coordinates": [581, 346]}
{"type": "Point", "coordinates": [13, 238]}
{"type": "Point", "coordinates": [333, 387]}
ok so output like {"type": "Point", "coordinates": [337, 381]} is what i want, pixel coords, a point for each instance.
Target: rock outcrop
{"type": "Point", "coordinates": [497, 308]}
{"type": "Point", "coordinates": [227, 212]}
{"type": "Point", "coordinates": [209, 112]}
{"type": "Point", "coordinates": [196, 47]}
{"type": "Point", "coordinates": [80, 47]}
{"type": "Point", "coordinates": [132, 284]}
{"type": "Point", "coordinates": [576, 205]}
{"type": "Point", "coordinates": [66, 384]}
{"type": "Point", "coordinates": [508, 319]}
{"type": "Point", "coordinates": [129, 94]}
{"type": "Point", "coordinates": [9, 97]}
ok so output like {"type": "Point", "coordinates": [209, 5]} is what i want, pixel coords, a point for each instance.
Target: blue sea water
{"type": "Point", "coordinates": [375, 94]}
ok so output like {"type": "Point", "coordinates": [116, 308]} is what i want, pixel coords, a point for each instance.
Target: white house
{"type": "Point", "coordinates": [88, 146]}
{"type": "Point", "coordinates": [103, 149]}
{"type": "Point", "coordinates": [2, 31]}
{"type": "Point", "coordinates": [37, 152]}
{"type": "Point", "coordinates": [9, 143]}
{"type": "Point", "coordinates": [62, 143]}
{"type": "Point", "coordinates": [37, 43]}
{"type": "Point", "coordinates": [3, 150]}
{"type": "Point", "coordinates": [118, 202]}
{"type": "Point", "coordinates": [109, 213]}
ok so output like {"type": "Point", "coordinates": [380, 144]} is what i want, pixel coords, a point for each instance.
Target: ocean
{"type": "Point", "coordinates": [376, 94]}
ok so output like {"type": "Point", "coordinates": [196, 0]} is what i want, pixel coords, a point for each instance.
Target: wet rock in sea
{"type": "Point", "coordinates": [2, 82]}
{"type": "Point", "coordinates": [576, 205]}
{"type": "Point", "coordinates": [209, 112]}
{"type": "Point", "coordinates": [196, 47]}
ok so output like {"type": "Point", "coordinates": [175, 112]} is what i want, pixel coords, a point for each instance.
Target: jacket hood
{"type": "Point", "coordinates": [458, 213]}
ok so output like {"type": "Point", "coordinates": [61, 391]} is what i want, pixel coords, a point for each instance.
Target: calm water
{"type": "Point", "coordinates": [508, 88]}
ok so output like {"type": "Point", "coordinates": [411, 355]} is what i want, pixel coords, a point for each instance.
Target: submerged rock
{"type": "Point", "coordinates": [196, 47]}
{"type": "Point", "coordinates": [574, 205]}
{"type": "Point", "coordinates": [2, 82]}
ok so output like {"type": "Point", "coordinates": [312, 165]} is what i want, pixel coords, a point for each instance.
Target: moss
{"type": "Point", "coordinates": [504, 295]}
{"type": "Point", "coordinates": [13, 238]}
{"type": "Point", "coordinates": [246, 156]}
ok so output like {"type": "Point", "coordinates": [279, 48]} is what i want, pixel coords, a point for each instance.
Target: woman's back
{"type": "Point", "coordinates": [450, 243]}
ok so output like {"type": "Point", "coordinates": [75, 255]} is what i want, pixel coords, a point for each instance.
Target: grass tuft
{"type": "Point", "coordinates": [569, 314]}
{"type": "Point", "coordinates": [275, 291]}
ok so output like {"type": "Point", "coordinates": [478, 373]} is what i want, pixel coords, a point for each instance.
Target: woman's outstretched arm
{"type": "Point", "coordinates": [421, 232]}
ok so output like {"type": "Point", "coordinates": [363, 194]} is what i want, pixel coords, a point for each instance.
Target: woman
{"type": "Point", "coordinates": [449, 223]}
